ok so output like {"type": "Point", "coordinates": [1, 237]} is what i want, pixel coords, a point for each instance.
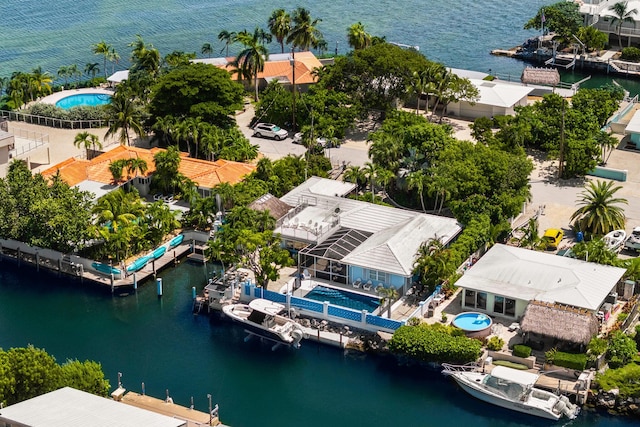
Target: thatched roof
{"type": "Point", "coordinates": [562, 322]}
{"type": "Point", "coordinates": [276, 207]}
{"type": "Point", "coordinates": [540, 76]}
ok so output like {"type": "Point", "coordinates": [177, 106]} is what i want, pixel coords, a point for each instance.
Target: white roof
{"type": "Point", "coordinates": [516, 376]}
{"type": "Point", "coordinates": [500, 94]}
{"type": "Point", "coordinates": [211, 61]}
{"type": "Point", "coordinates": [118, 76]}
{"type": "Point", "coordinates": [266, 306]}
{"type": "Point", "coordinates": [99, 189]}
{"type": "Point", "coordinates": [68, 407]}
{"type": "Point", "coordinates": [468, 74]}
{"type": "Point", "coordinates": [634, 124]}
{"type": "Point", "coordinates": [531, 275]}
{"type": "Point", "coordinates": [396, 233]}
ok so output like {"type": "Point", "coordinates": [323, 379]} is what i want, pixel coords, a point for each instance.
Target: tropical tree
{"type": "Point", "coordinates": [418, 180]}
{"type": "Point", "coordinates": [87, 140]}
{"type": "Point", "coordinates": [599, 211]}
{"type": "Point", "coordinates": [228, 38]}
{"type": "Point", "coordinates": [355, 175]}
{"type": "Point", "coordinates": [280, 26]}
{"type": "Point", "coordinates": [40, 82]}
{"type": "Point", "coordinates": [387, 296]}
{"type": "Point", "coordinates": [530, 235]}
{"type": "Point", "coordinates": [206, 50]}
{"type": "Point", "coordinates": [304, 33]}
{"type": "Point", "coordinates": [252, 58]}
{"type": "Point", "coordinates": [114, 58]}
{"type": "Point", "coordinates": [64, 72]}
{"type": "Point", "coordinates": [74, 71]}
{"type": "Point", "coordinates": [358, 37]}
{"type": "Point", "coordinates": [91, 69]}
{"type": "Point", "coordinates": [125, 115]}
{"type": "Point", "coordinates": [144, 57]}
{"type": "Point", "coordinates": [622, 14]}
{"type": "Point", "coordinates": [104, 49]}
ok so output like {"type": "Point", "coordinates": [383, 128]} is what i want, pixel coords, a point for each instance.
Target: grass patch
{"type": "Point", "coordinates": [509, 364]}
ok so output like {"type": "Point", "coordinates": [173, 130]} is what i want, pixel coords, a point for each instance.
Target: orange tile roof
{"type": "Point", "coordinates": [204, 173]}
{"type": "Point", "coordinates": [305, 63]}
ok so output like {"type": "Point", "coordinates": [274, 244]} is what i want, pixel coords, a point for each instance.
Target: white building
{"type": "Point", "coordinates": [496, 98]}
{"type": "Point", "coordinates": [69, 407]}
{"type": "Point", "coordinates": [596, 13]}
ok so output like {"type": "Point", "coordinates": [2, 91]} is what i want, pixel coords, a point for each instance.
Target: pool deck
{"type": "Point", "coordinates": [55, 97]}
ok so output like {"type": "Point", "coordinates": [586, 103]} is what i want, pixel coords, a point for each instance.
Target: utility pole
{"type": "Point", "coordinates": [293, 66]}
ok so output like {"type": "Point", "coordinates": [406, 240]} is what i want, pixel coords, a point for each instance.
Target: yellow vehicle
{"type": "Point", "coordinates": [552, 238]}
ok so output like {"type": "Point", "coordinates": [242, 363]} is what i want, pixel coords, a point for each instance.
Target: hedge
{"type": "Point", "coordinates": [434, 343]}
{"type": "Point", "coordinates": [569, 360]}
{"type": "Point", "coordinates": [520, 350]}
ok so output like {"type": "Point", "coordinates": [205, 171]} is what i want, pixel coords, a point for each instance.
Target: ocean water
{"type": "Point", "coordinates": [159, 341]}
{"type": "Point", "coordinates": [459, 33]}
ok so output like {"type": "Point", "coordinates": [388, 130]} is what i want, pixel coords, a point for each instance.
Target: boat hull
{"type": "Point", "coordinates": [261, 330]}
{"type": "Point", "coordinates": [504, 403]}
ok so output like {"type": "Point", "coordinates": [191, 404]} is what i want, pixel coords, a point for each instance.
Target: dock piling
{"type": "Point", "coordinates": [159, 286]}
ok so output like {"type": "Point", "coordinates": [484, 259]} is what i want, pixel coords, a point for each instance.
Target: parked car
{"type": "Point", "coordinates": [269, 130]}
{"type": "Point", "coordinates": [322, 142]}
{"type": "Point", "coordinates": [552, 238]}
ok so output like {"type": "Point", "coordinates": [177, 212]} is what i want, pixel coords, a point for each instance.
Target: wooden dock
{"type": "Point", "coordinates": [191, 416]}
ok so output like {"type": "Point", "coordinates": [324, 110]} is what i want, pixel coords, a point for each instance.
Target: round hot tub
{"type": "Point", "coordinates": [475, 325]}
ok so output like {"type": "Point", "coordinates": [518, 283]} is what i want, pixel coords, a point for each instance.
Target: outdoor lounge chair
{"type": "Point", "coordinates": [306, 275]}
{"type": "Point", "coordinates": [357, 283]}
{"type": "Point", "coordinates": [367, 286]}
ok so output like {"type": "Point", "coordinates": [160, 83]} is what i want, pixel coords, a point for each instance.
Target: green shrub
{"type": "Point", "coordinates": [622, 317]}
{"type": "Point", "coordinates": [509, 364]}
{"type": "Point", "coordinates": [495, 343]}
{"type": "Point", "coordinates": [567, 360]}
{"type": "Point", "coordinates": [626, 379]}
{"type": "Point", "coordinates": [520, 350]}
{"type": "Point", "coordinates": [434, 343]}
{"type": "Point", "coordinates": [622, 349]}
{"type": "Point", "coordinates": [630, 54]}
{"type": "Point", "coordinates": [597, 346]}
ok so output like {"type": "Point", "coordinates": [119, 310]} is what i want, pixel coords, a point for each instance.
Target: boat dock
{"type": "Point", "coordinates": [166, 407]}
{"type": "Point", "coordinates": [578, 388]}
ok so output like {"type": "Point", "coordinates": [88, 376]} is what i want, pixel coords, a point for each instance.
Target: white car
{"type": "Point", "coordinates": [269, 130]}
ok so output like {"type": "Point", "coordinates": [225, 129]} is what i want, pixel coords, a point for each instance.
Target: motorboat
{"type": "Point", "coordinates": [615, 240]}
{"type": "Point", "coordinates": [512, 389]}
{"type": "Point", "coordinates": [633, 241]}
{"type": "Point", "coordinates": [263, 318]}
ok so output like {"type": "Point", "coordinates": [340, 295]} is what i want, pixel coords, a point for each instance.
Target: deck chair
{"type": "Point", "coordinates": [357, 283]}
{"type": "Point", "coordinates": [367, 286]}
{"type": "Point", "coordinates": [306, 275]}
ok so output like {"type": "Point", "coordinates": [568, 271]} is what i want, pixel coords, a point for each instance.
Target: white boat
{"type": "Point", "coordinates": [262, 317]}
{"type": "Point", "coordinates": [512, 389]}
{"type": "Point", "coordinates": [633, 241]}
{"type": "Point", "coordinates": [615, 240]}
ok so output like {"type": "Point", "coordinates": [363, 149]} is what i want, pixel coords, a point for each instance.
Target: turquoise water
{"type": "Point", "coordinates": [343, 298]}
{"type": "Point", "coordinates": [161, 343]}
{"type": "Point", "coordinates": [460, 33]}
{"type": "Point", "coordinates": [84, 99]}
{"type": "Point", "coordinates": [472, 321]}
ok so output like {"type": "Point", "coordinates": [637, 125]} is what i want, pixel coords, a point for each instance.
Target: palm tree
{"type": "Point", "coordinates": [304, 33]}
{"type": "Point", "coordinates": [531, 237]}
{"type": "Point", "coordinates": [124, 116]}
{"type": "Point", "coordinates": [206, 49]}
{"type": "Point", "coordinates": [418, 180]}
{"type": "Point", "coordinates": [87, 140]}
{"type": "Point", "coordinates": [418, 83]}
{"type": "Point", "coordinates": [599, 212]}
{"type": "Point", "coordinates": [104, 49]}
{"type": "Point", "coordinates": [621, 15]}
{"type": "Point", "coordinates": [91, 68]}
{"type": "Point", "coordinates": [387, 296]}
{"type": "Point", "coordinates": [41, 82]}
{"type": "Point", "coordinates": [280, 26]}
{"type": "Point", "coordinates": [358, 37]}
{"type": "Point", "coordinates": [136, 165]}
{"type": "Point", "coordinates": [252, 58]}
{"type": "Point", "coordinates": [355, 175]}
{"type": "Point", "coordinates": [64, 72]}
{"type": "Point", "coordinates": [74, 71]}
{"type": "Point", "coordinates": [228, 38]}
{"type": "Point", "coordinates": [370, 170]}
{"type": "Point", "coordinates": [114, 58]}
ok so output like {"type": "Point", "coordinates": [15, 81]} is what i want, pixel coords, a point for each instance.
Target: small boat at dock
{"type": "Point", "coordinates": [615, 240]}
{"type": "Point", "coordinates": [511, 389]}
{"type": "Point", "coordinates": [105, 268]}
{"type": "Point", "coordinates": [176, 240]}
{"type": "Point", "coordinates": [159, 252]}
{"type": "Point", "coordinates": [262, 317]}
{"type": "Point", "coordinates": [138, 264]}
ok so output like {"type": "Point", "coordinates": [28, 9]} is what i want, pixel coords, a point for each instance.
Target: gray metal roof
{"type": "Point", "coordinates": [530, 275]}
{"type": "Point", "coordinates": [395, 234]}
{"type": "Point", "coordinates": [68, 407]}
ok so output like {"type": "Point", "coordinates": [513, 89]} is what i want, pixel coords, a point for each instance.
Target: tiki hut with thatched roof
{"type": "Point", "coordinates": [276, 207]}
{"type": "Point", "coordinates": [540, 76]}
{"type": "Point", "coordinates": [560, 322]}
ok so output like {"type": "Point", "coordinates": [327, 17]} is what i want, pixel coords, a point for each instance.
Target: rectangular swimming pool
{"type": "Point", "coordinates": [343, 298]}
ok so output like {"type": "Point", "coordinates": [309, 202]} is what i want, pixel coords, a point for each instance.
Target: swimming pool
{"type": "Point", "coordinates": [474, 324]}
{"type": "Point", "coordinates": [84, 99]}
{"type": "Point", "coordinates": [343, 298]}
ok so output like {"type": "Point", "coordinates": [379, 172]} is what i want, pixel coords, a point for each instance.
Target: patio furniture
{"type": "Point", "coordinates": [357, 283]}
{"type": "Point", "coordinates": [437, 300]}
{"type": "Point", "coordinates": [306, 275]}
{"type": "Point", "coordinates": [367, 286]}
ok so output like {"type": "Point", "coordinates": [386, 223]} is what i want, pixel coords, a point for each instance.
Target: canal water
{"type": "Point", "coordinates": [160, 342]}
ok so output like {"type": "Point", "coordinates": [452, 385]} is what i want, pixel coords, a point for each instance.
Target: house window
{"type": "Point", "coordinates": [481, 301]}
{"type": "Point", "coordinates": [506, 306]}
{"type": "Point", "coordinates": [469, 298]}
{"type": "Point", "coordinates": [377, 276]}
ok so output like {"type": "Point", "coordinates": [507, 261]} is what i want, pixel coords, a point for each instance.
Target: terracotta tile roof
{"type": "Point", "coordinates": [204, 173]}
{"type": "Point", "coordinates": [305, 63]}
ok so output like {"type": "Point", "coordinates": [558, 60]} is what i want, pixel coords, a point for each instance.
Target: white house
{"type": "Point", "coordinates": [70, 407]}
{"type": "Point", "coordinates": [496, 98]}
{"type": "Point", "coordinates": [596, 13]}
